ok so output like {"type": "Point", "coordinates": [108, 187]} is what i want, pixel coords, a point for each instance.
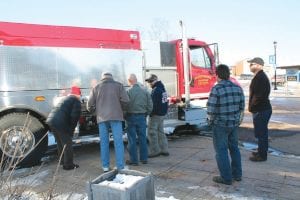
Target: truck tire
{"type": "Point", "coordinates": [19, 137]}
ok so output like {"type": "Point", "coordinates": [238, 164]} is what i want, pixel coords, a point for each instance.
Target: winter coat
{"type": "Point", "coordinates": [160, 99]}
{"type": "Point", "coordinates": [140, 100]}
{"type": "Point", "coordinates": [65, 115]}
{"type": "Point", "coordinates": [260, 89]}
{"type": "Point", "coordinates": [108, 99]}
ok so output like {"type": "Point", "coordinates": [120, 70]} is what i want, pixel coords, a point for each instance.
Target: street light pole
{"type": "Point", "coordinates": [275, 63]}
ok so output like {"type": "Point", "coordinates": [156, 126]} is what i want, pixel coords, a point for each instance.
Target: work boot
{"type": "Point", "coordinates": [74, 166]}
{"type": "Point", "coordinates": [219, 179]}
{"type": "Point", "coordinates": [255, 153]}
{"type": "Point", "coordinates": [152, 155]}
{"type": "Point", "coordinates": [237, 178]}
{"type": "Point", "coordinates": [257, 158]}
{"type": "Point", "coordinates": [144, 161]}
{"type": "Point", "coordinates": [165, 153]}
{"type": "Point", "coordinates": [128, 162]}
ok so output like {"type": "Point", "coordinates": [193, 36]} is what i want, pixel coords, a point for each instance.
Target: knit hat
{"type": "Point", "coordinates": [75, 90]}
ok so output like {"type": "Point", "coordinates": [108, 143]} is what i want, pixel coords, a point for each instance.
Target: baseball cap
{"type": "Point", "coordinates": [75, 90]}
{"type": "Point", "coordinates": [151, 78]}
{"type": "Point", "coordinates": [257, 60]}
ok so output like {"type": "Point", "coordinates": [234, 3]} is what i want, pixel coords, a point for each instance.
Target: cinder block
{"type": "Point", "coordinates": [142, 189]}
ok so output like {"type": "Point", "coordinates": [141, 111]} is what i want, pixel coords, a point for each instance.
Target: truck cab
{"type": "Point", "coordinates": [166, 60]}
{"type": "Point", "coordinates": [169, 67]}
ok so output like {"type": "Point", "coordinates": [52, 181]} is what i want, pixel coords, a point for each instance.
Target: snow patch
{"type": "Point", "coordinates": [252, 147]}
{"type": "Point", "coordinates": [194, 187]}
{"type": "Point", "coordinates": [166, 198]}
{"type": "Point", "coordinates": [74, 196]}
{"type": "Point", "coordinates": [233, 196]}
{"type": "Point", "coordinates": [31, 195]}
{"type": "Point", "coordinates": [169, 130]}
{"type": "Point", "coordinates": [33, 180]}
{"type": "Point", "coordinates": [122, 181]}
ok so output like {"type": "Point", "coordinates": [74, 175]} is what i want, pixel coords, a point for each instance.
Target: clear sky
{"type": "Point", "coordinates": [243, 29]}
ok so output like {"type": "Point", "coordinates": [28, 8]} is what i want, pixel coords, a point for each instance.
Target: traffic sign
{"type": "Point", "coordinates": [272, 59]}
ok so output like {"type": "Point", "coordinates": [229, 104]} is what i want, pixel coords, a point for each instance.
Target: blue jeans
{"type": "Point", "coordinates": [137, 128]}
{"type": "Point", "coordinates": [260, 122]}
{"type": "Point", "coordinates": [225, 138]}
{"type": "Point", "coordinates": [116, 127]}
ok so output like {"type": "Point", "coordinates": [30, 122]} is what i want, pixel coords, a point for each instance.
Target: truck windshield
{"type": "Point", "coordinates": [199, 57]}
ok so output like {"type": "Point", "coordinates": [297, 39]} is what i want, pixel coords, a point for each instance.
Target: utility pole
{"type": "Point", "coordinates": [275, 63]}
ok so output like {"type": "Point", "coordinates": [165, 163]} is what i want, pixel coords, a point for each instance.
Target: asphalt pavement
{"type": "Point", "coordinates": [186, 174]}
{"type": "Point", "coordinates": [284, 127]}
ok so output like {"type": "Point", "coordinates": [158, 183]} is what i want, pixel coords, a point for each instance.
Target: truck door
{"type": "Point", "coordinates": [202, 71]}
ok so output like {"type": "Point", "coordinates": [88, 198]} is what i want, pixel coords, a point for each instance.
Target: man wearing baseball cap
{"type": "Point", "coordinates": [151, 78]}
{"type": "Point", "coordinates": [158, 142]}
{"type": "Point", "coordinates": [260, 107]}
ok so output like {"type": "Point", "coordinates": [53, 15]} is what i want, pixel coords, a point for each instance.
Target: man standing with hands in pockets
{"type": "Point", "coordinates": [140, 105]}
{"type": "Point", "coordinates": [225, 108]}
{"type": "Point", "coordinates": [108, 98]}
{"type": "Point", "coordinates": [260, 107]}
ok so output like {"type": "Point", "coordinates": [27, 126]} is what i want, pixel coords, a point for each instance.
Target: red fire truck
{"type": "Point", "coordinates": [39, 64]}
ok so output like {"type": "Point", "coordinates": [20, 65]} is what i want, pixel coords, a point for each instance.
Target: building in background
{"type": "Point", "coordinates": [292, 72]}
{"type": "Point", "coordinates": [289, 73]}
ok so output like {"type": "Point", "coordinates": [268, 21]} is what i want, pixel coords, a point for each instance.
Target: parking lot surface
{"type": "Point", "coordinates": [186, 174]}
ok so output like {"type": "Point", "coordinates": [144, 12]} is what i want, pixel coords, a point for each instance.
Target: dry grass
{"type": "Point", "coordinates": [14, 187]}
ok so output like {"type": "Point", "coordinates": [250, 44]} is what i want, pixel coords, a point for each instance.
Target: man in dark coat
{"type": "Point", "coordinates": [62, 121]}
{"type": "Point", "coordinates": [158, 142]}
{"type": "Point", "coordinates": [260, 107]}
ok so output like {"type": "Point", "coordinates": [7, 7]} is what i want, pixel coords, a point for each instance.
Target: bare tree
{"type": "Point", "coordinates": [160, 30]}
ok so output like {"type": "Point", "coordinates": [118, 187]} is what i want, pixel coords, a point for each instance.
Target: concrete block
{"type": "Point", "coordinates": [141, 189]}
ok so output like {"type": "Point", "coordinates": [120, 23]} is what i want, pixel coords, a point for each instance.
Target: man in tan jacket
{"type": "Point", "coordinates": [107, 99]}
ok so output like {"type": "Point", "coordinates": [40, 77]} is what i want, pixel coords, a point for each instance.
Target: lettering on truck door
{"type": "Point", "coordinates": [201, 72]}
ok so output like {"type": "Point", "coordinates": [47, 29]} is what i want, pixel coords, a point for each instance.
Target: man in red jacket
{"type": "Point", "coordinates": [62, 121]}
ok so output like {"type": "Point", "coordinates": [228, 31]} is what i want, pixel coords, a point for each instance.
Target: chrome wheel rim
{"type": "Point", "coordinates": [17, 141]}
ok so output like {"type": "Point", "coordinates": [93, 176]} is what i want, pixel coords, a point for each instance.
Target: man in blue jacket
{"type": "Point", "coordinates": [158, 142]}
